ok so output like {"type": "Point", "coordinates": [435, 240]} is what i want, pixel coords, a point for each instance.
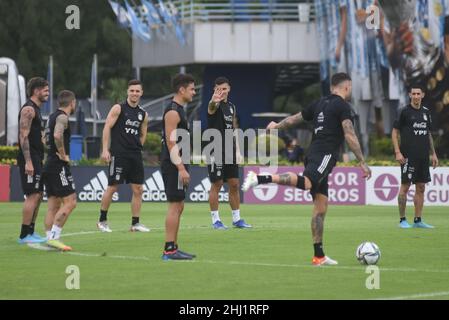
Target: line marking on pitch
{"type": "Point", "coordinates": [259, 264]}
{"type": "Point", "coordinates": [417, 296]}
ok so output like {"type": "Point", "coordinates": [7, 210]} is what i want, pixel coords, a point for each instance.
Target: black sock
{"type": "Point", "coordinates": [318, 248]}
{"type": "Point", "coordinates": [135, 221]}
{"type": "Point", "coordinates": [417, 219]}
{"type": "Point", "coordinates": [103, 215]}
{"type": "Point", "coordinates": [32, 227]}
{"type": "Point", "coordinates": [170, 246]}
{"type": "Point", "coordinates": [402, 219]}
{"type": "Point", "coordinates": [24, 231]}
{"type": "Point", "coordinates": [264, 179]}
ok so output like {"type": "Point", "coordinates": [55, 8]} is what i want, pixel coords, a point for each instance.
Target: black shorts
{"type": "Point", "coordinates": [174, 188]}
{"type": "Point", "coordinates": [222, 172]}
{"type": "Point", "coordinates": [58, 179]}
{"type": "Point", "coordinates": [317, 168]}
{"type": "Point", "coordinates": [31, 184]}
{"type": "Point", "coordinates": [415, 171]}
{"type": "Point", "coordinates": [124, 170]}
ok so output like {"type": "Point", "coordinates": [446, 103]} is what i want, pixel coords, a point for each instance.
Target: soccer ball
{"type": "Point", "coordinates": [368, 253]}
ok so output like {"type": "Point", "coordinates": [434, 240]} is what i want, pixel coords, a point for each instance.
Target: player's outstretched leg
{"type": "Point", "coordinates": [286, 179]}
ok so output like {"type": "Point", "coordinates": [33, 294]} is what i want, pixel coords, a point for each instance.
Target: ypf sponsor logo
{"type": "Point", "coordinates": [94, 190]}
{"type": "Point", "coordinates": [386, 187]}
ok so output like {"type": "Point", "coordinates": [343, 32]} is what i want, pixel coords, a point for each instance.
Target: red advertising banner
{"type": "Point", "coordinates": [4, 183]}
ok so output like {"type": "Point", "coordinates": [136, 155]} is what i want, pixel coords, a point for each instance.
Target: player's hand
{"type": "Point", "coordinates": [366, 170]}
{"type": "Point", "coordinates": [400, 158]}
{"type": "Point", "coordinates": [272, 125]}
{"type": "Point", "coordinates": [64, 158]}
{"type": "Point", "coordinates": [434, 161]}
{"type": "Point", "coordinates": [218, 96]}
{"type": "Point", "coordinates": [29, 168]}
{"type": "Point", "coordinates": [106, 156]}
{"type": "Point", "coordinates": [185, 177]}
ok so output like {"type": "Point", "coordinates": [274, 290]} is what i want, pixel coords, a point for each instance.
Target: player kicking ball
{"type": "Point", "coordinates": [332, 121]}
{"type": "Point", "coordinates": [57, 178]}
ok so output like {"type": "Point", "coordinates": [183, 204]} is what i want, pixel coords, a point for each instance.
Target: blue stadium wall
{"type": "Point", "coordinates": [252, 90]}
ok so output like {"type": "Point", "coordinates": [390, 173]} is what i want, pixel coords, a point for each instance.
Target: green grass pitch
{"type": "Point", "coordinates": [270, 261]}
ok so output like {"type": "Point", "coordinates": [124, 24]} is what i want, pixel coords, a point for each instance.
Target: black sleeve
{"type": "Point", "coordinates": [345, 111]}
{"type": "Point", "coordinates": [399, 122]}
{"type": "Point", "coordinates": [308, 112]}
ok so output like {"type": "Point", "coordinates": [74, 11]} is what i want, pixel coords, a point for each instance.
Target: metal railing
{"type": "Point", "coordinates": [189, 11]}
{"type": "Point", "coordinates": [244, 11]}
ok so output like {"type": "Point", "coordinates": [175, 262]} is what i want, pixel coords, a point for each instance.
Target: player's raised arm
{"type": "Point", "coordinates": [62, 122]}
{"type": "Point", "coordinates": [27, 116]}
{"type": "Point", "coordinates": [110, 122]}
{"type": "Point", "coordinates": [354, 145]}
{"type": "Point", "coordinates": [143, 132]}
{"type": "Point", "coordinates": [287, 122]}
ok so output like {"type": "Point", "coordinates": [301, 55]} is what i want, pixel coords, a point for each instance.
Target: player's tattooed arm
{"type": "Point", "coordinates": [354, 145]}
{"type": "Point", "coordinates": [289, 122]}
{"type": "Point", "coordinates": [62, 122]}
{"type": "Point", "coordinates": [26, 118]}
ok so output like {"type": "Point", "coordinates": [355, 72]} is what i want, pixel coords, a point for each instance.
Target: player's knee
{"type": "Point", "coordinates": [420, 188]}
{"type": "Point", "coordinates": [138, 190]}
{"type": "Point", "coordinates": [216, 186]}
{"type": "Point", "coordinates": [404, 189]}
{"type": "Point", "coordinates": [233, 185]}
{"type": "Point", "coordinates": [71, 203]}
{"type": "Point", "coordinates": [304, 183]}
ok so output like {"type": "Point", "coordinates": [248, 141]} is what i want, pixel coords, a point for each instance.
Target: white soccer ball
{"type": "Point", "coordinates": [368, 253]}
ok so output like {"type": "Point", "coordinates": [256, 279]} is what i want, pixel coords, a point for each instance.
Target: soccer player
{"type": "Point", "coordinates": [413, 126]}
{"type": "Point", "coordinates": [174, 172]}
{"type": "Point", "coordinates": [31, 156]}
{"type": "Point", "coordinates": [222, 117]}
{"type": "Point", "coordinates": [332, 122]}
{"type": "Point", "coordinates": [123, 138]}
{"type": "Point", "coordinates": [57, 176]}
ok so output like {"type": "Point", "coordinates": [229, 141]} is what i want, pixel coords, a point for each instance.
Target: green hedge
{"type": "Point", "coordinates": [7, 152]}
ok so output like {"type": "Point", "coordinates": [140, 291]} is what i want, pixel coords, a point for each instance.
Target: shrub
{"type": "Point", "coordinates": [7, 152]}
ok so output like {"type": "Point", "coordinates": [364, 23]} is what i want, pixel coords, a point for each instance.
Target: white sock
{"type": "Point", "coordinates": [215, 216]}
{"type": "Point", "coordinates": [235, 215]}
{"type": "Point", "coordinates": [55, 232]}
{"type": "Point", "coordinates": [48, 233]}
